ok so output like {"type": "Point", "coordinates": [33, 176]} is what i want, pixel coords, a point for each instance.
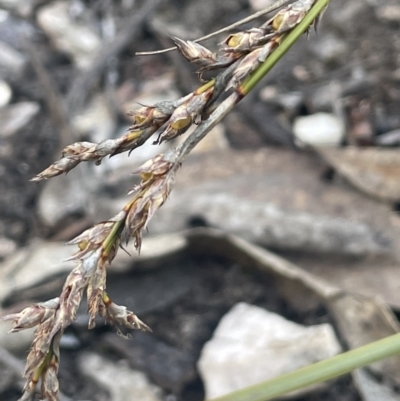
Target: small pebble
{"type": "Point", "coordinates": [320, 129]}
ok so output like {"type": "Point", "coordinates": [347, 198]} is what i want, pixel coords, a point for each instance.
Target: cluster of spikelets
{"type": "Point", "coordinates": [240, 54]}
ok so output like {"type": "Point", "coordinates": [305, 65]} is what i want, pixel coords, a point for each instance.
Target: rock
{"type": "Point", "coordinates": [265, 224]}
{"type": "Point", "coordinates": [7, 247]}
{"type": "Point", "coordinates": [17, 343]}
{"type": "Point", "coordinates": [325, 97]}
{"type": "Point", "coordinates": [258, 5]}
{"type": "Point", "coordinates": [17, 116]}
{"type": "Point", "coordinates": [96, 120]}
{"type": "Point", "coordinates": [373, 389]}
{"type": "Point", "coordinates": [118, 379]}
{"type": "Point", "coordinates": [375, 171]}
{"type": "Point", "coordinates": [19, 271]}
{"type": "Point", "coordinates": [63, 196]}
{"type": "Point", "coordinates": [388, 13]}
{"type": "Point", "coordinates": [79, 41]}
{"type": "Point", "coordinates": [273, 197]}
{"type": "Point", "coordinates": [330, 48]}
{"type": "Point", "coordinates": [158, 89]}
{"type": "Point", "coordinates": [391, 138]}
{"type": "Point", "coordinates": [320, 129]}
{"type": "Point", "coordinates": [290, 101]}
{"type": "Point", "coordinates": [5, 94]}
{"type": "Point", "coordinates": [166, 366]}
{"type": "Point", "coordinates": [12, 63]}
{"type": "Point", "coordinates": [251, 345]}
{"type": "Point", "coordinates": [23, 8]}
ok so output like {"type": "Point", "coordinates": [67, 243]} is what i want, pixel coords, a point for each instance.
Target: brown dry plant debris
{"type": "Point", "coordinates": [241, 54]}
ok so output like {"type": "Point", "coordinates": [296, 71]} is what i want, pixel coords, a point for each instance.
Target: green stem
{"type": "Point", "coordinates": [318, 372]}
{"type": "Point", "coordinates": [286, 44]}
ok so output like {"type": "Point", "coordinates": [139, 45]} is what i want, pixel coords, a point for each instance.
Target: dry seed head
{"type": "Point", "coordinates": [50, 385]}
{"type": "Point", "coordinates": [39, 350]}
{"type": "Point", "coordinates": [120, 316]}
{"type": "Point", "coordinates": [290, 16]}
{"type": "Point", "coordinates": [146, 117]}
{"type": "Point", "coordinates": [32, 315]}
{"type": "Point", "coordinates": [185, 114]}
{"type": "Point", "coordinates": [195, 53]}
{"type": "Point", "coordinates": [157, 180]}
{"type": "Point", "coordinates": [91, 239]}
{"type": "Point", "coordinates": [77, 149]}
{"type": "Point", "coordinates": [247, 40]}
{"type": "Point", "coordinates": [223, 60]}
{"type": "Point", "coordinates": [59, 167]}
{"type": "Point", "coordinates": [95, 290]}
{"type": "Point", "coordinates": [250, 63]}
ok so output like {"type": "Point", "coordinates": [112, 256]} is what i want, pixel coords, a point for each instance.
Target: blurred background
{"type": "Point", "coordinates": [306, 167]}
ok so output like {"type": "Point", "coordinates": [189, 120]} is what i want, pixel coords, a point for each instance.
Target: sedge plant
{"type": "Point", "coordinates": [245, 58]}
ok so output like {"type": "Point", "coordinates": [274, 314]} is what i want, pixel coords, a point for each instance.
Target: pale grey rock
{"type": "Point", "coordinates": [388, 12]}
{"type": "Point", "coordinates": [22, 7]}
{"type": "Point", "coordinates": [391, 138]}
{"type": "Point", "coordinates": [33, 265]}
{"type": "Point", "coordinates": [7, 247]}
{"type": "Point", "coordinates": [5, 94]}
{"type": "Point", "coordinates": [96, 119]}
{"type": "Point", "coordinates": [266, 224]}
{"type": "Point", "coordinates": [17, 116]}
{"type": "Point", "coordinates": [12, 62]}
{"type": "Point", "coordinates": [251, 345]}
{"type": "Point", "coordinates": [158, 89]}
{"type": "Point", "coordinates": [373, 389]}
{"type": "Point", "coordinates": [63, 196]}
{"type": "Point", "coordinates": [20, 270]}
{"type": "Point", "coordinates": [330, 48]}
{"type": "Point", "coordinates": [79, 41]}
{"type": "Point", "coordinates": [258, 5]}
{"type": "Point", "coordinates": [325, 97]}
{"type": "Point", "coordinates": [118, 379]}
{"type": "Point", "coordinates": [320, 129]}
{"type": "Point", "coordinates": [17, 343]}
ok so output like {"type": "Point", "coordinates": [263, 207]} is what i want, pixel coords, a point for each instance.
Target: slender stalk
{"type": "Point", "coordinates": [318, 372]}
{"type": "Point", "coordinates": [286, 44]}
{"type": "Point", "coordinates": [179, 154]}
{"type": "Point", "coordinates": [236, 24]}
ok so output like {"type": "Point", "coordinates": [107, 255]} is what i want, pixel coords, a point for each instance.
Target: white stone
{"type": "Point", "coordinates": [389, 13]}
{"type": "Point", "coordinates": [7, 247]}
{"type": "Point", "coordinates": [73, 38]}
{"type": "Point", "coordinates": [18, 342]}
{"type": "Point", "coordinates": [118, 379]}
{"type": "Point", "coordinates": [5, 93]}
{"type": "Point", "coordinates": [22, 7]}
{"type": "Point", "coordinates": [16, 116]}
{"type": "Point", "coordinates": [12, 62]}
{"type": "Point", "coordinates": [320, 129]}
{"type": "Point", "coordinates": [251, 345]}
{"type": "Point", "coordinates": [96, 119]}
{"type": "Point", "coordinates": [258, 5]}
{"type": "Point", "coordinates": [330, 48]}
{"type": "Point", "coordinates": [64, 196]}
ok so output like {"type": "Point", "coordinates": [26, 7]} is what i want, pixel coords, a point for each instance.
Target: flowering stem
{"type": "Point", "coordinates": [286, 44]}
